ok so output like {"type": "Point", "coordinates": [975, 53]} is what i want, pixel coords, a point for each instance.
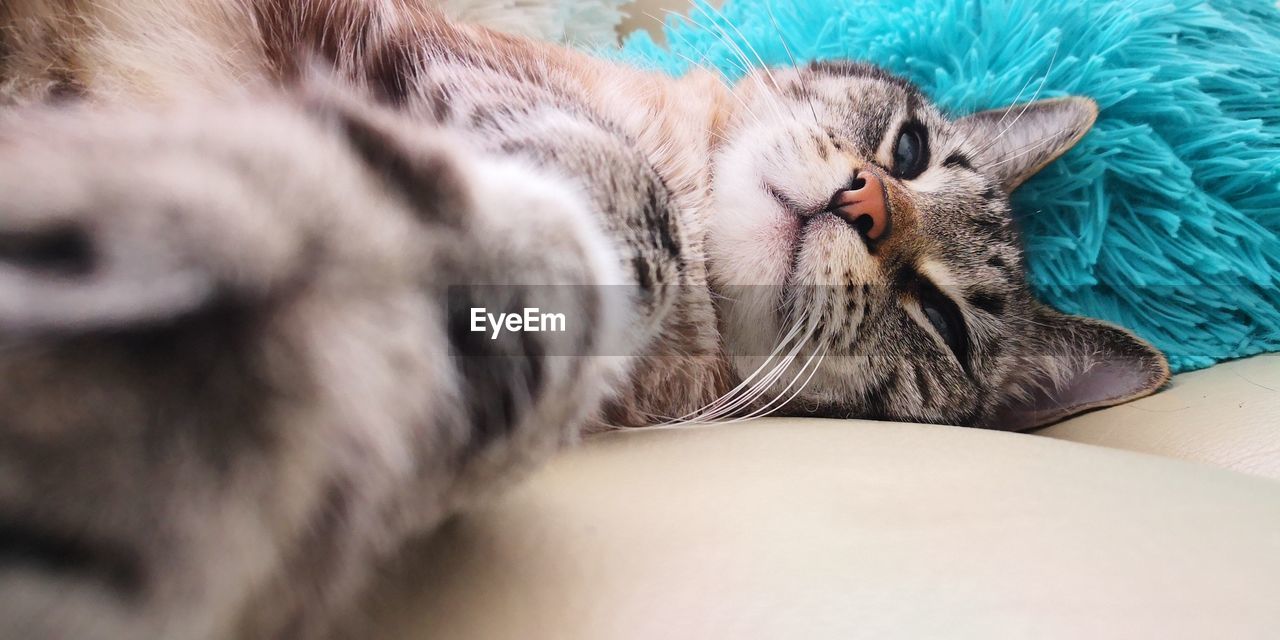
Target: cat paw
{"type": "Point", "coordinates": [240, 363]}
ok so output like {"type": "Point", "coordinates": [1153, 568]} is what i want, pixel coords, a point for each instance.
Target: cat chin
{"type": "Point", "coordinates": [750, 240]}
{"type": "Point", "coordinates": [750, 236]}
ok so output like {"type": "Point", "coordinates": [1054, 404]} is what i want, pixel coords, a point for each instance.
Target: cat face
{"type": "Point", "coordinates": [867, 263]}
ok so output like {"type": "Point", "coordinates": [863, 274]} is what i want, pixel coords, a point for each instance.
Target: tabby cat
{"type": "Point", "coordinates": [243, 242]}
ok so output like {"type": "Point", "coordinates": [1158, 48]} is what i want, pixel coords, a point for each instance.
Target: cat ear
{"type": "Point", "coordinates": [1024, 138]}
{"type": "Point", "coordinates": [1076, 364]}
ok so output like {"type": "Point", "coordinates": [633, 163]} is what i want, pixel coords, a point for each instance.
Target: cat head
{"type": "Point", "coordinates": [858, 230]}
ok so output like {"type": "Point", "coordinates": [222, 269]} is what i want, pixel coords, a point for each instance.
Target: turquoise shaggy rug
{"type": "Point", "coordinates": [1165, 218]}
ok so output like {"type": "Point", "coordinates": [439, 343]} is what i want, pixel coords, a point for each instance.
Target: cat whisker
{"type": "Point", "coordinates": [744, 63]}
{"type": "Point", "coordinates": [1016, 99]}
{"type": "Point", "coordinates": [726, 39]}
{"type": "Point", "coordinates": [968, 135]}
{"type": "Point", "coordinates": [747, 382]}
{"type": "Point", "coordinates": [1024, 150]}
{"type": "Point", "coordinates": [763, 66]}
{"type": "Point", "coordinates": [742, 102]}
{"type": "Point", "coordinates": [757, 389]}
{"type": "Point", "coordinates": [760, 387]}
{"type": "Point", "coordinates": [1025, 106]}
{"type": "Point", "coordinates": [741, 64]}
{"type": "Point", "coordinates": [777, 29]}
{"type": "Point", "coordinates": [775, 405]}
{"type": "Point", "coordinates": [768, 382]}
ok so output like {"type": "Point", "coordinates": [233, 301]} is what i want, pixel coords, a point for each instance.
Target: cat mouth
{"type": "Point", "coordinates": [807, 232]}
{"type": "Point", "coordinates": [808, 214]}
{"type": "Point", "coordinates": [792, 205]}
{"type": "Point", "coordinates": [798, 217]}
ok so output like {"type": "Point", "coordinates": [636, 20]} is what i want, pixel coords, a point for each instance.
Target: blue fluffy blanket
{"type": "Point", "coordinates": [1165, 218]}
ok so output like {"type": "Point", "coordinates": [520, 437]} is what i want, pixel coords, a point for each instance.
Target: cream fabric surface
{"type": "Point", "coordinates": [850, 529]}
{"type": "Point", "coordinates": [818, 529]}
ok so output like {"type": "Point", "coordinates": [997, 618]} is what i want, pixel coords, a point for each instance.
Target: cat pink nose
{"type": "Point", "coordinates": [863, 205]}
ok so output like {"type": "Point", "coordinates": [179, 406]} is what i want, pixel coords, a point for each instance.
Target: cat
{"type": "Point", "coordinates": [243, 244]}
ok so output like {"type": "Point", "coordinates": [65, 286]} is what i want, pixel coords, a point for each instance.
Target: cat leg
{"type": "Point", "coordinates": [239, 360]}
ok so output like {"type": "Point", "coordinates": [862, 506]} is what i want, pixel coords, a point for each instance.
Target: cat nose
{"type": "Point", "coordinates": [862, 204]}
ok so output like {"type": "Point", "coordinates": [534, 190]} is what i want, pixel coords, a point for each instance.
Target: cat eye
{"type": "Point", "coordinates": [947, 320]}
{"type": "Point", "coordinates": [910, 152]}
